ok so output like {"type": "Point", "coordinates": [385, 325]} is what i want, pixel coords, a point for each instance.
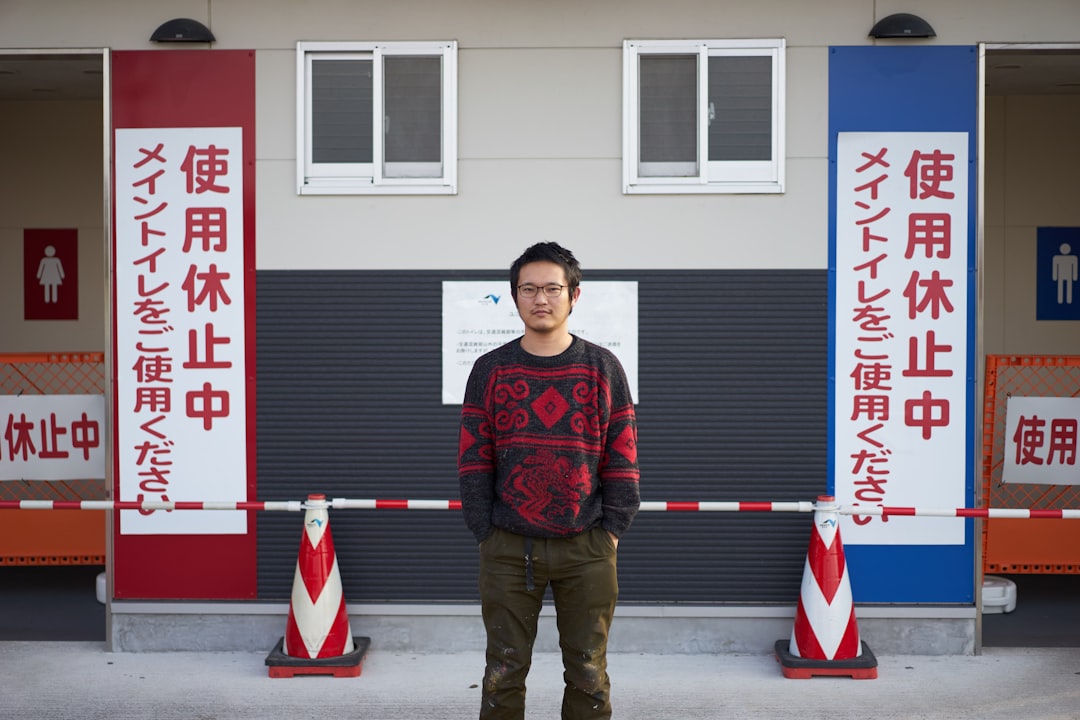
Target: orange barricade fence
{"type": "Point", "coordinates": [1020, 546]}
{"type": "Point", "coordinates": [48, 539]}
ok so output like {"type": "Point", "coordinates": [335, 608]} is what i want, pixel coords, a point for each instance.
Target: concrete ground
{"type": "Point", "coordinates": [81, 681]}
{"type": "Point", "coordinates": [54, 666]}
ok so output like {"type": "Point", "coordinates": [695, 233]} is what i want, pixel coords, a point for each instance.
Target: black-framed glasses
{"type": "Point", "coordinates": [529, 291]}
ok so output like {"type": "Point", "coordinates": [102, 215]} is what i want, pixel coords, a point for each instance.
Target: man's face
{"type": "Point", "coordinates": [544, 313]}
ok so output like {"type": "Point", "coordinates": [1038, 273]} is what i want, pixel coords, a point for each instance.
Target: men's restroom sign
{"type": "Point", "coordinates": [1057, 274]}
{"type": "Point", "coordinates": [51, 274]}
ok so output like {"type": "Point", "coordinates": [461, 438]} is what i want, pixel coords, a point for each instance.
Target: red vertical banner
{"type": "Point", "coordinates": [183, 321]}
{"type": "Point", "coordinates": [51, 274]}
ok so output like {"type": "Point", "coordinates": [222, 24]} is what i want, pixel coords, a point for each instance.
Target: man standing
{"type": "Point", "coordinates": [549, 481]}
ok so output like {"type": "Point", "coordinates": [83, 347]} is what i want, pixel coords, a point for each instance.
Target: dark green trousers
{"type": "Point", "coordinates": [584, 584]}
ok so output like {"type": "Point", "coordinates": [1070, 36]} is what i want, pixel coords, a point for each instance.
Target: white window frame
{"type": "Point", "coordinates": [716, 176]}
{"type": "Point", "coordinates": [363, 178]}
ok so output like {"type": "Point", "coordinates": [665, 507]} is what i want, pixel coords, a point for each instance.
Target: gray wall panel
{"type": "Point", "coordinates": [732, 376]}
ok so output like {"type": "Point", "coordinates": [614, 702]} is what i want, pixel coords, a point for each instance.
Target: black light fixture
{"type": "Point", "coordinates": [902, 25]}
{"type": "Point", "coordinates": [183, 30]}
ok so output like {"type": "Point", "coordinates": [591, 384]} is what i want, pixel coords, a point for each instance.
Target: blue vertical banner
{"type": "Point", "coordinates": [902, 254]}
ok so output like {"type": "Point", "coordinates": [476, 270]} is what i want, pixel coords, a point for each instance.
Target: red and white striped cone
{"type": "Point", "coordinates": [318, 639]}
{"type": "Point", "coordinates": [825, 639]}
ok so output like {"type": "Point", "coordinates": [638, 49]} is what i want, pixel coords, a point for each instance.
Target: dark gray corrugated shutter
{"type": "Point", "coordinates": [732, 377]}
{"type": "Point", "coordinates": [733, 408]}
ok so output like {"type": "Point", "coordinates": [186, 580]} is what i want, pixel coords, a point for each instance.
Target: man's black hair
{"type": "Point", "coordinates": [547, 252]}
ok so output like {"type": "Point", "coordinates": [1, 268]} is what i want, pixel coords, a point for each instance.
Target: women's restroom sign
{"type": "Point", "coordinates": [1057, 274]}
{"type": "Point", "coordinates": [51, 274]}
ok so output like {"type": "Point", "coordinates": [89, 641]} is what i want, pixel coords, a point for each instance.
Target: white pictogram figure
{"type": "Point", "coordinates": [1065, 274]}
{"type": "Point", "coordinates": [50, 273]}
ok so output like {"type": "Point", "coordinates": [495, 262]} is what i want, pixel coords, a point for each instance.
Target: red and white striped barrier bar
{"type": "Point", "coordinates": [377, 504]}
{"type": "Point", "coordinates": [648, 506]}
{"type": "Point", "coordinates": [802, 507]}
{"type": "Point", "coordinates": [289, 505]}
{"type": "Point", "coordinates": [344, 504]}
{"type": "Point", "coordinates": [1016, 513]}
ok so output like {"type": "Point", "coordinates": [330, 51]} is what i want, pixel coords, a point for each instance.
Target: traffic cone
{"type": "Point", "coordinates": [318, 639]}
{"type": "Point", "coordinates": [825, 639]}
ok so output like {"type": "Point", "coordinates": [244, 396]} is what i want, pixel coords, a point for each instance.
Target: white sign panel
{"type": "Point", "coordinates": [52, 437]}
{"type": "Point", "coordinates": [180, 385]}
{"type": "Point", "coordinates": [1040, 441]}
{"type": "Point", "coordinates": [479, 316]}
{"type": "Point", "coordinates": [901, 336]}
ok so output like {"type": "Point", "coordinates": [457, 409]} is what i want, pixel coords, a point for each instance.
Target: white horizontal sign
{"type": "Point", "coordinates": [1040, 440]}
{"type": "Point", "coordinates": [52, 437]}
{"type": "Point", "coordinates": [479, 316]}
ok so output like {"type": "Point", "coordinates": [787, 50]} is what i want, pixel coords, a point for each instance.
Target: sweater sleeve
{"type": "Point", "coordinates": [619, 472]}
{"type": "Point", "coordinates": [476, 453]}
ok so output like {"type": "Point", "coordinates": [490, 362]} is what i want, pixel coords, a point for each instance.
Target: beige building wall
{"type": "Point", "coordinates": [53, 177]}
{"type": "Point", "coordinates": [539, 133]}
{"type": "Point", "coordinates": [1033, 180]}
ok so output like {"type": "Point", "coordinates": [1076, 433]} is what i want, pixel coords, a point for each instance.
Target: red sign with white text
{"type": "Point", "coordinates": [50, 274]}
{"type": "Point", "coordinates": [183, 289]}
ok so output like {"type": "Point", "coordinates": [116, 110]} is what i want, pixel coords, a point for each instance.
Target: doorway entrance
{"type": "Point", "coordinates": [53, 140]}
{"type": "Point", "coordinates": [1030, 152]}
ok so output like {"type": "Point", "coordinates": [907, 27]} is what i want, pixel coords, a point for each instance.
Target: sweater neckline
{"type": "Point", "coordinates": [573, 350]}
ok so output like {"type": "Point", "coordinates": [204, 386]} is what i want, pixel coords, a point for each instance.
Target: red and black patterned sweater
{"type": "Point", "coordinates": [548, 445]}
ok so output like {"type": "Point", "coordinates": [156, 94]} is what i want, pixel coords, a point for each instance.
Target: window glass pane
{"type": "Point", "coordinates": [740, 108]}
{"type": "Point", "coordinates": [668, 113]}
{"type": "Point", "coordinates": [341, 106]}
{"type": "Point", "coordinates": [413, 106]}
